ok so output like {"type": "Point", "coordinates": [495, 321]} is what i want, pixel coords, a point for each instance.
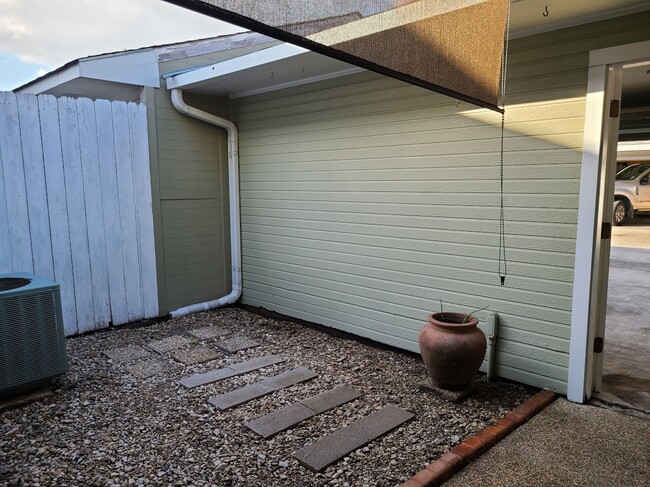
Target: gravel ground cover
{"type": "Point", "coordinates": [113, 423]}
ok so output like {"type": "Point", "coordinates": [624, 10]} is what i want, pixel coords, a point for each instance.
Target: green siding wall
{"type": "Point", "coordinates": [192, 184]}
{"type": "Point", "coordinates": [192, 169]}
{"type": "Point", "coordinates": [364, 201]}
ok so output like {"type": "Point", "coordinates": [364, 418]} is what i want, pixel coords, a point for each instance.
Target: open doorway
{"type": "Point", "coordinates": [625, 374]}
{"type": "Point", "coordinates": [595, 213]}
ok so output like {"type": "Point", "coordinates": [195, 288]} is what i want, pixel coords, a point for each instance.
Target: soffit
{"type": "Point", "coordinates": [270, 70]}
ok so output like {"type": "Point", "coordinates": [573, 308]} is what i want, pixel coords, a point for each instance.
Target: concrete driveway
{"type": "Point", "coordinates": [626, 369]}
{"type": "Point", "coordinates": [635, 234]}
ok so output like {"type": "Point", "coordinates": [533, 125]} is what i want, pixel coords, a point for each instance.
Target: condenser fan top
{"type": "Point", "coordinates": [8, 283]}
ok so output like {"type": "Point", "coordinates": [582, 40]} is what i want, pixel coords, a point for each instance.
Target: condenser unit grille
{"type": "Point", "coordinates": [32, 345]}
{"type": "Point", "coordinates": [8, 283]}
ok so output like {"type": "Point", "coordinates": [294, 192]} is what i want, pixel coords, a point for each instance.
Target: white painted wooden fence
{"type": "Point", "coordinates": [75, 205]}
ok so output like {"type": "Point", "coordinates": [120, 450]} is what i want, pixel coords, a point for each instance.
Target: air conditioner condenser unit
{"type": "Point", "coordinates": [32, 340]}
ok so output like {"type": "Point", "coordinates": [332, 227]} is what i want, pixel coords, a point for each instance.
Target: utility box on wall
{"type": "Point", "coordinates": [32, 341]}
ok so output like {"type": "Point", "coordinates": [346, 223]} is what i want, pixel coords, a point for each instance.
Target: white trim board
{"type": "Point", "coordinates": [242, 63]}
{"type": "Point", "coordinates": [634, 151]}
{"type": "Point", "coordinates": [582, 324]}
{"type": "Point", "coordinates": [270, 69]}
{"type": "Point", "coordinates": [138, 68]}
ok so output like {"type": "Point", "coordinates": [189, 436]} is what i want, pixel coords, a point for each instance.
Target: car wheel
{"type": "Point", "coordinates": [620, 213]}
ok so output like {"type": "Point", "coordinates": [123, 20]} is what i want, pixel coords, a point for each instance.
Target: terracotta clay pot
{"type": "Point", "coordinates": [452, 350]}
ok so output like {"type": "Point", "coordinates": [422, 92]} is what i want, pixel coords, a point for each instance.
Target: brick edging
{"type": "Point", "coordinates": [447, 465]}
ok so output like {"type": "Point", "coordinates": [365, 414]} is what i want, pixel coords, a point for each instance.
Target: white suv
{"type": "Point", "coordinates": [631, 192]}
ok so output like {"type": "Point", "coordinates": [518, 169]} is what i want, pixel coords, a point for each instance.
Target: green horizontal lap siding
{"type": "Point", "coordinates": [192, 168]}
{"type": "Point", "coordinates": [364, 201]}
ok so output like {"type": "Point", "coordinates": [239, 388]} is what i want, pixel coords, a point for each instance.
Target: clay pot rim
{"type": "Point", "coordinates": [473, 321]}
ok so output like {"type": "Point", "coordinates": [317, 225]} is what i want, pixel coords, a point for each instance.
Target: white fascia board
{"type": "Point", "coordinates": [626, 55]}
{"type": "Point", "coordinates": [633, 151]}
{"type": "Point", "coordinates": [51, 81]}
{"type": "Point", "coordinates": [135, 68]}
{"type": "Point", "coordinates": [259, 58]}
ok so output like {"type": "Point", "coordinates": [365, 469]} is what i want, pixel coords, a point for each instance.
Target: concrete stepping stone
{"type": "Point", "coordinates": [126, 354]}
{"type": "Point", "coordinates": [288, 416]}
{"type": "Point", "coordinates": [237, 343]}
{"type": "Point", "coordinates": [148, 368]}
{"type": "Point", "coordinates": [170, 343]}
{"type": "Point", "coordinates": [208, 332]}
{"type": "Point", "coordinates": [195, 355]}
{"type": "Point", "coordinates": [230, 371]}
{"type": "Point", "coordinates": [327, 450]}
{"type": "Point", "coordinates": [262, 388]}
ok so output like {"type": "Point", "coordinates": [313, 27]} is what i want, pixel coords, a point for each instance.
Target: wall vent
{"type": "Point", "coordinates": [32, 343]}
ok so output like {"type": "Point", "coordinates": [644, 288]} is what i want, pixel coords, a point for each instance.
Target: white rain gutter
{"type": "Point", "coordinates": [233, 185]}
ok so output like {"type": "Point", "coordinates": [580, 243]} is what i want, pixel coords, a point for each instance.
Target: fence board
{"type": "Point", "coordinates": [75, 205]}
{"type": "Point", "coordinates": [112, 228]}
{"type": "Point", "coordinates": [123, 158]}
{"type": "Point", "coordinates": [74, 192]}
{"type": "Point", "coordinates": [94, 211]}
{"type": "Point", "coordinates": [5, 247]}
{"type": "Point", "coordinates": [14, 180]}
{"type": "Point", "coordinates": [58, 210]}
{"type": "Point", "coordinates": [143, 201]}
{"type": "Point", "coordinates": [39, 222]}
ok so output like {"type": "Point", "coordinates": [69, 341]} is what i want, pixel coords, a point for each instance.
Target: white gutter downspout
{"type": "Point", "coordinates": [233, 185]}
{"type": "Point", "coordinates": [491, 325]}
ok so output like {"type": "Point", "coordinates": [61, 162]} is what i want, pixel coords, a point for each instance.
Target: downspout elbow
{"type": "Point", "coordinates": [491, 322]}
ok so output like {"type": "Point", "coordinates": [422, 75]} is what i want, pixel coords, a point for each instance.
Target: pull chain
{"type": "Point", "coordinates": [503, 263]}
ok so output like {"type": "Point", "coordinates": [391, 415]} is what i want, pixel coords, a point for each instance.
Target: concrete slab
{"type": "Point", "coordinates": [126, 354]}
{"type": "Point", "coordinates": [170, 343]}
{"type": "Point", "coordinates": [24, 399]}
{"type": "Point", "coordinates": [331, 399]}
{"type": "Point", "coordinates": [236, 344]}
{"type": "Point", "coordinates": [566, 444]}
{"type": "Point", "coordinates": [230, 371]}
{"type": "Point", "coordinates": [195, 355]}
{"type": "Point", "coordinates": [207, 377]}
{"type": "Point", "coordinates": [208, 332]}
{"type": "Point", "coordinates": [327, 450]}
{"type": "Point", "coordinates": [256, 363]}
{"type": "Point", "coordinates": [148, 368]}
{"type": "Point", "coordinates": [280, 420]}
{"type": "Point", "coordinates": [261, 388]}
{"type": "Point", "coordinates": [289, 416]}
{"type": "Point", "coordinates": [289, 378]}
{"type": "Point", "coordinates": [240, 396]}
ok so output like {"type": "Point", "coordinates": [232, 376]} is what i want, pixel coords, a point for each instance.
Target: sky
{"type": "Point", "coordinates": [37, 36]}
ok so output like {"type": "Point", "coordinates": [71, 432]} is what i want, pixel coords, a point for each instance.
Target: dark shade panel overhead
{"type": "Point", "coordinates": [452, 47]}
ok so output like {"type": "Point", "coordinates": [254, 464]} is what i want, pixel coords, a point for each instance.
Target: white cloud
{"type": "Point", "coordinates": [51, 33]}
{"type": "Point", "coordinates": [41, 72]}
{"type": "Point", "coordinates": [12, 29]}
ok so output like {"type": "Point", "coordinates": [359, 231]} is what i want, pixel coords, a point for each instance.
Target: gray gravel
{"type": "Point", "coordinates": [111, 423]}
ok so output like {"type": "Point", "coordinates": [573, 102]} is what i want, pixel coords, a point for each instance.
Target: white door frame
{"type": "Point", "coordinates": [604, 64]}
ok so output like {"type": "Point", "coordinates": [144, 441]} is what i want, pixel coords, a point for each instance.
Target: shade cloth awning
{"type": "Point", "coordinates": [452, 47]}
